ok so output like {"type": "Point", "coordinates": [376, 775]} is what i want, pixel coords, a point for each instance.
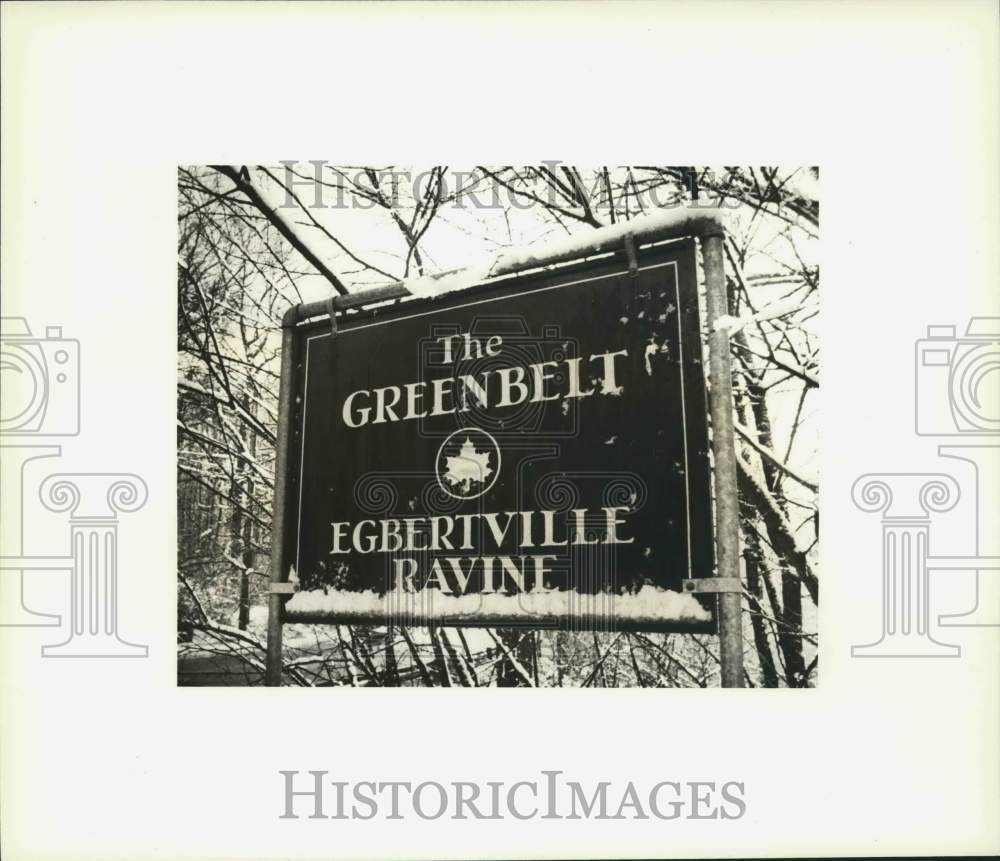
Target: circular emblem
{"type": "Point", "coordinates": [468, 463]}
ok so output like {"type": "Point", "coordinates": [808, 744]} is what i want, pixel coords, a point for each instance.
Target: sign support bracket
{"type": "Point", "coordinates": [278, 590]}
{"type": "Point", "coordinates": [631, 255]}
{"type": "Point", "coordinates": [727, 511]}
{"type": "Point", "coordinates": [332, 311]}
{"type": "Point", "coordinates": [714, 586]}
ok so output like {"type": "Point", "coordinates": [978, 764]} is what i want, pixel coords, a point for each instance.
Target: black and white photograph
{"type": "Point", "coordinates": [451, 427]}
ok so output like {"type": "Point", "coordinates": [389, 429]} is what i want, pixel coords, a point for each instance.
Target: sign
{"type": "Point", "coordinates": [526, 451]}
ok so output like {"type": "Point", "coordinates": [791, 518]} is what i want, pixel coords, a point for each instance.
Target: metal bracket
{"type": "Point", "coordinates": [282, 589]}
{"type": "Point", "coordinates": [713, 585]}
{"type": "Point", "coordinates": [630, 253]}
{"type": "Point", "coordinates": [331, 308]}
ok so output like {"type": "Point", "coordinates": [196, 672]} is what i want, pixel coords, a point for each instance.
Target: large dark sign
{"type": "Point", "coordinates": [527, 451]}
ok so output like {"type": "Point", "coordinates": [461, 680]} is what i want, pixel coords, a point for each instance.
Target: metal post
{"type": "Point", "coordinates": [727, 513]}
{"type": "Point", "coordinates": [275, 608]}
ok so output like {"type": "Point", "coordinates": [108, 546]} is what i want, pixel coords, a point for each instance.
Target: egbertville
{"type": "Point", "coordinates": [496, 387]}
{"type": "Point", "coordinates": [528, 529]}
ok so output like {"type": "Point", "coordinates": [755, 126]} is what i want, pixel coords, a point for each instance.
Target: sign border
{"type": "Point", "coordinates": [700, 516]}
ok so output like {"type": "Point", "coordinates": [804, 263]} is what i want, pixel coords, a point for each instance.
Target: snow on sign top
{"type": "Point", "coordinates": [532, 452]}
{"type": "Point", "coordinates": [663, 224]}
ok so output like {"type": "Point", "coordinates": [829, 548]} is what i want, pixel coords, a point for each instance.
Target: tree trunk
{"type": "Point", "coordinates": [752, 556]}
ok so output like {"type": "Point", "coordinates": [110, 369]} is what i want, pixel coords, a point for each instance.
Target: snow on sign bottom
{"type": "Point", "coordinates": [532, 451]}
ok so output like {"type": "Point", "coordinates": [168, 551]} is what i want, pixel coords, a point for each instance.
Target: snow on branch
{"type": "Point", "coordinates": [773, 311]}
{"type": "Point", "coordinates": [765, 452]}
